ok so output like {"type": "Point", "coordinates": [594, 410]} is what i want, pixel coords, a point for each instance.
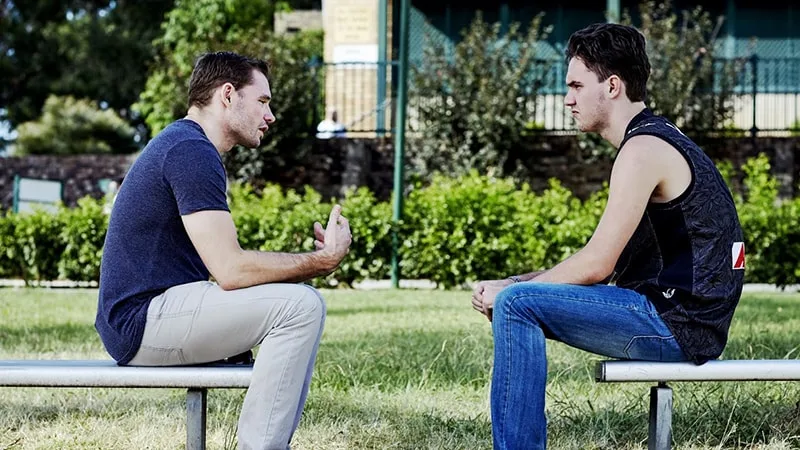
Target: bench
{"type": "Point", "coordinates": [105, 373]}
{"type": "Point", "coordinates": [660, 429]}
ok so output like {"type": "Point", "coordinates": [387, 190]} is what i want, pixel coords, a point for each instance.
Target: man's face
{"type": "Point", "coordinates": [586, 97]}
{"type": "Point", "coordinates": [251, 113]}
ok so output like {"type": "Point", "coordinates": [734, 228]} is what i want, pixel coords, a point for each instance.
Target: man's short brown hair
{"type": "Point", "coordinates": [212, 70]}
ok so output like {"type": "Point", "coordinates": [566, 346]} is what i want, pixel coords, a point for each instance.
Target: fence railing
{"type": "Point", "coordinates": [765, 97]}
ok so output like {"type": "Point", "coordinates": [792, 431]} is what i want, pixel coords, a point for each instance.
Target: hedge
{"type": "Point", "coordinates": [454, 230]}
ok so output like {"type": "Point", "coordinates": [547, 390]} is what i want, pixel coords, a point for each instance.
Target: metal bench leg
{"type": "Point", "coordinates": [660, 432]}
{"type": "Point", "coordinates": [196, 402]}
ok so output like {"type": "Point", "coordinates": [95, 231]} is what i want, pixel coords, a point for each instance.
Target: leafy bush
{"type": "Point", "coordinates": [69, 126]}
{"type": "Point", "coordinates": [769, 225]}
{"type": "Point", "coordinates": [10, 265]}
{"type": "Point", "coordinates": [474, 99]}
{"type": "Point", "coordinates": [458, 229]}
{"type": "Point", "coordinates": [83, 235]}
{"type": "Point", "coordinates": [242, 26]}
{"type": "Point", "coordinates": [38, 244]}
{"type": "Point", "coordinates": [454, 231]}
{"type": "Point", "coordinates": [687, 85]}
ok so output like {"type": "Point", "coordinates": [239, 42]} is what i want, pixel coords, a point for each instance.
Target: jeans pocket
{"type": "Point", "coordinates": [654, 348]}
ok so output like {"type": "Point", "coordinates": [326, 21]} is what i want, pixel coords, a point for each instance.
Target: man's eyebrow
{"type": "Point", "coordinates": [265, 97]}
{"type": "Point", "coordinates": [573, 83]}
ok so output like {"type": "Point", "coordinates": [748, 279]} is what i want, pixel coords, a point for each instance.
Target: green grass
{"type": "Point", "coordinates": [397, 370]}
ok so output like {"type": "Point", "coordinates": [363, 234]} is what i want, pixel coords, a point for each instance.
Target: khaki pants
{"type": "Point", "coordinates": [199, 322]}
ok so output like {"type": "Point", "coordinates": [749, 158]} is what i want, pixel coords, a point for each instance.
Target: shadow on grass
{"type": "Point", "coordinates": [378, 425]}
{"type": "Point", "coordinates": [706, 415]}
{"type": "Point", "coordinates": [399, 358]}
{"type": "Point", "coordinates": [48, 338]}
{"type": "Point", "coordinates": [38, 407]}
{"type": "Point", "coordinates": [340, 311]}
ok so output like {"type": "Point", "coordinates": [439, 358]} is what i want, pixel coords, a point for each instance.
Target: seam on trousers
{"type": "Point", "coordinates": [584, 300]}
{"type": "Point", "coordinates": [280, 382]}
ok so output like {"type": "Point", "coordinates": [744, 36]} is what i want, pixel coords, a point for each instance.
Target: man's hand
{"type": "Point", "coordinates": [484, 293]}
{"type": "Point", "coordinates": [333, 242]}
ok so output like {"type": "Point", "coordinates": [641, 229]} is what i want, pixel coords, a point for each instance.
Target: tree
{"type": "Point", "coordinates": [68, 126]}
{"type": "Point", "coordinates": [474, 99]}
{"type": "Point", "coordinates": [688, 84]}
{"type": "Point", "coordinates": [243, 26]}
{"type": "Point", "coordinates": [95, 49]}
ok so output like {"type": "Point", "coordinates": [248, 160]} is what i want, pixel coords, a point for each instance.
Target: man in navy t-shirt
{"type": "Point", "coordinates": [171, 229]}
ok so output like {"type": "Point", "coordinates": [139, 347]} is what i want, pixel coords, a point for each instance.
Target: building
{"type": "Point", "coordinates": [361, 42]}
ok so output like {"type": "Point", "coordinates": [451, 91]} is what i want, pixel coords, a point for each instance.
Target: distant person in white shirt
{"type": "Point", "coordinates": [330, 127]}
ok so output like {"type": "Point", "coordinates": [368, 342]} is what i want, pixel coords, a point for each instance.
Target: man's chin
{"type": "Point", "coordinates": [251, 144]}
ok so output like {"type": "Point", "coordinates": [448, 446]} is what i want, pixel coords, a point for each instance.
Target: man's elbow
{"type": "Point", "coordinates": [599, 273]}
{"type": "Point", "coordinates": [229, 274]}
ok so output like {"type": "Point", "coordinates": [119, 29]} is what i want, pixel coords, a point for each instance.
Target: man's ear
{"type": "Point", "coordinates": [227, 92]}
{"type": "Point", "coordinates": [615, 87]}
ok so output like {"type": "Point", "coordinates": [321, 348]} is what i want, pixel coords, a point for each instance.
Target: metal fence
{"type": "Point", "coordinates": [765, 96]}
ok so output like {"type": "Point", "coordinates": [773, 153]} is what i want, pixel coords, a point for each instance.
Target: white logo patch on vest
{"type": "Point", "coordinates": [737, 255]}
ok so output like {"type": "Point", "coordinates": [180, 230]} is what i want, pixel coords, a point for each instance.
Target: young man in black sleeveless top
{"type": "Point", "coordinates": [669, 239]}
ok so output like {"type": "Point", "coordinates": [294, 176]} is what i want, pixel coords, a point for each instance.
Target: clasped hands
{"type": "Point", "coordinates": [484, 293]}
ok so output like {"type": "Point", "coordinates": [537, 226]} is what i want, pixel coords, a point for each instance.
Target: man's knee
{"type": "Point", "coordinates": [523, 300]}
{"type": "Point", "coordinates": [310, 302]}
{"type": "Point", "coordinates": [315, 299]}
{"type": "Point", "coordinates": [504, 302]}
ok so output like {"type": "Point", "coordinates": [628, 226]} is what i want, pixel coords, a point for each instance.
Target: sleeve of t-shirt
{"type": "Point", "coordinates": [194, 171]}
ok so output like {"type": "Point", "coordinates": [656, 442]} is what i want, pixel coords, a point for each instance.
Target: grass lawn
{"type": "Point", "coordinates": [396, 370]}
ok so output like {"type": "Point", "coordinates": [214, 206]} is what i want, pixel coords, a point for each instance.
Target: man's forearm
{"type": "Point", "coordinates": [255, 267]}
{"type": "Point", "coordinates": [579, 268]}
{"type": "Point", "coordinates": [528, 276]}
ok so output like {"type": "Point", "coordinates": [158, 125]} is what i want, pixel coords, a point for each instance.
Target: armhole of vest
{"type": "Point", "coordinates": [686, 193]}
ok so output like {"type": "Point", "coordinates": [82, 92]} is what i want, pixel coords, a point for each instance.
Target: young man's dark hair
{"type": "Point", "coordinates": [214, 69]}
{"type": "Point", "coordinates": [610, 49]}
{"type": "Point", "coordinates": [661, 275]}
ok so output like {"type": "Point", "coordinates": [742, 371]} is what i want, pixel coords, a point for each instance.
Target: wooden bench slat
{"type": "Point", "coordinates": [106, 373]}
{"type": "Point", "coordinates": [717, 370]}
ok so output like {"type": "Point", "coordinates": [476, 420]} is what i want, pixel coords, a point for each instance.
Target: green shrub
{"type": "Point", "coordinates": [38, 241]}
{"type": "Point", "coordinates": [83, 235]}
{"type": "Point", "coordinates": [459, 229]}
{"type": "Point", "coordinates": [10, 258]}
{"type": "Point", "coordinates": [454, 231]}
{"type": "Point", "coordinates": [474, 97]}
{"type": "Point", "coordinates": [70, 126]}
{"type": "Point", "coordinates": [371, 225]}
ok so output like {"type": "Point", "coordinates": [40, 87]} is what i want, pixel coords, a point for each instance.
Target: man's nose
{"type": "Point", "coordinates": [269, 117]}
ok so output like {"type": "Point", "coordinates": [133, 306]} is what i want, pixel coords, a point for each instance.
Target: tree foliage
{"type": "Point", "coordinates": [688, 84]}
{"type": "Point", "coordinates": [69, 126]}
{"type": "Point", "coordinates": [95, 49]}
{"type": "Point", "coordinates": [474, 99]}
{"type": "Point", "coordinates": [242, 26]}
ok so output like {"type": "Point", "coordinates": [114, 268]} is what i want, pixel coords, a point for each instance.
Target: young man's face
{"type": "Point", "coordinates": [586, 97]}
{"type": "Point", "coordinates": [251, 113]}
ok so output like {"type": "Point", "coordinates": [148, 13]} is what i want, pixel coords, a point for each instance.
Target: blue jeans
{"type": "Point", "coordinates": [601, 319]}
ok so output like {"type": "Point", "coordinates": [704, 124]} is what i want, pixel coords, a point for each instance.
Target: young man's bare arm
{"type": "Point", "coordinates": [213, 235]}
{"type": "Point", "coordinates": [637, 171]}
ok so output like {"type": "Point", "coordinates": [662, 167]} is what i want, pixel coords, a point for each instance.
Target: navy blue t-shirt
{"type": "Point", "coordinates": [147, 249]}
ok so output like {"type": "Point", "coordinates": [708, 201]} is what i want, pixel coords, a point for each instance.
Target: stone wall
{"type": "Point", "coordinates": [336, 164]}
{"type": "Point", "coordinates": [80, 175]}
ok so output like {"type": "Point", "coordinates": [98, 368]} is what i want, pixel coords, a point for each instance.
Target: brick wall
{"type": "Point", "coordinates": [80, 175]}
{"type": "Point", "coordinates": [338, 163]}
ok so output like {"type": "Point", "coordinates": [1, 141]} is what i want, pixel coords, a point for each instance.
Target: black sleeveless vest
{"type": "Point", "coordinates": [687, 255]}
